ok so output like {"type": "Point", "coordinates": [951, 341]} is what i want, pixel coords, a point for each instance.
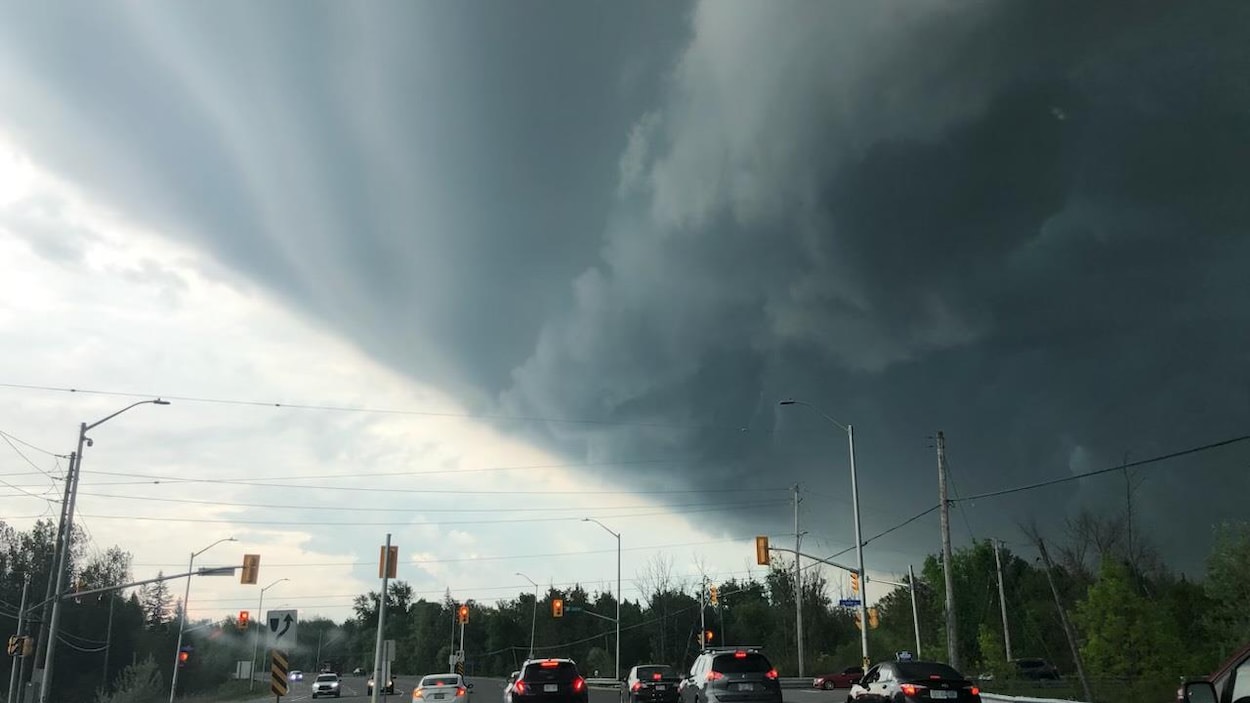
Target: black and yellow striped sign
{"type": "Point", "coordinates": [278, 670]}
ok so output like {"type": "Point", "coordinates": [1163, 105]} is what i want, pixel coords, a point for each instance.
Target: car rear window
{"type": "Point", "coordinates": [440, 681]}
{"type": "Point", "coordinates": [748, 663]}
{"type": "Point", "coordinates": [647, 673]}
{"type": "Point", "coordinates": [550, 671]}
{"type": "Point", "coordinates": [927, 670]}
{"type": "Point", "coordinates": [327, 677]}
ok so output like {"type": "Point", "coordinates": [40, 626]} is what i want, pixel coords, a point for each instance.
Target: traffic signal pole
{"type": "Point", "coordinates": [21, 620]}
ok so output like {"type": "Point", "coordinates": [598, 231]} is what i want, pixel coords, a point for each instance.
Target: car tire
{"type": "Point", "coordinates": [827, 685]}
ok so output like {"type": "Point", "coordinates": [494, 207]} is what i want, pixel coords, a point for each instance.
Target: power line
{"type": "Point", "coordinates": [1117, 468]}
{"type": "Point", "coordinates": [24, 443]}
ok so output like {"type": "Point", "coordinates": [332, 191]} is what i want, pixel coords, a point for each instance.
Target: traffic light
{"type": "Point", "coordinates": [709, 637]}
{"type": "Point", "coordinates": [251, 568]}
{"type": "Point", "coordinates": [462, 614]}
{"type": "Point", "coordinates": [761, 550]}
{"type": "Point", "coordinates": [557, 607]}
{"type": "Point", "coordinates": [184, 657]}
{"type": "Point", "coordinates": [245, 619]}
{"type": "Point", "coordinates": [872, 618]}
{"type": "Point", "coordinates": [859, 624]}
{"type": "Point", "coordinates": [15, 645]}
{"type": "Point", "coordinates": [854, 582]}
{"type": "Point", "coordinates": [713, 595]}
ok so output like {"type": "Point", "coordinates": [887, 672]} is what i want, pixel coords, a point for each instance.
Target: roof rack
{"type": "Point", "coordinates": [731, 648]}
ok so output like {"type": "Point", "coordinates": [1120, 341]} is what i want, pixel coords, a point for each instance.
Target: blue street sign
{"type": "Point", "coordinates": [849, 603]}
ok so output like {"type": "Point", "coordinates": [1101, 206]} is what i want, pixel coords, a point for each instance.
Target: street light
{"type": "Point", "coordinates": [260, 618]}
{"type": "Point", "coordinates": [182, 622]}
{"type": "Point", "coordinates": [617, 535]}
{"type": "Point", "coordinates": [61, 558]}
{"type": "Point", "coordinates": [534, 617]}
{"type": "Point", "coordinates": [859, 542]}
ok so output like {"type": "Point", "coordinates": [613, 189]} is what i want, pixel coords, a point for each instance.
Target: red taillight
{"type": "Point", "coordinates": [579, 684]}
{"type": "Point", "coordinates": [418, 693]}
{"type": "Point", "coordinates": [636, 687]}
{"type": "Point", "coordinates": [714, 676]}
{"type": "Point", "coordinates": [461, 690]}
{"type": "Point", "coordinates": [772, 674]}
{"type": "Point", "coordinates": [519, 687]}
{"type": "Point", "coordinates": [740, 654]}
{"type": "Point", "coordinates": [910, 689]}
{"type": "Point", "coordinates": [655, 677]}
{"type": "Point", "coordinates": [976, 691]}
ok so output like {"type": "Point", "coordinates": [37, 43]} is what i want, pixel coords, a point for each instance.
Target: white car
{"type": "Point", "coordinates": [442, 688]}
{"type": "Point", "coordinates": [327, 685]}
{"type": "Point", "coordinates": [295, 675]}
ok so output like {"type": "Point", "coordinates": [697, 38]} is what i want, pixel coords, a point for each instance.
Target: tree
{"type": "Point", "coordinates": [1228, 586]}
{"type": "Point", "coordinates": [138, 683]}
{"type": "Point", "coordinates": [157, 603]}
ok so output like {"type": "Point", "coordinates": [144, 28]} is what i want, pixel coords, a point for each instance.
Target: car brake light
{"type": "Point", "coordinates": [550, 664]}
{"type": "Point", "coordinates": [740, 654]}
{"type": "Point", "coordinates": [418, 693]}
{"type": "Point", "coordinates": [518, 687]}
{"type": "Point", "coordinates": [655, 677]}
{"type": "Point", "coordinates": [772, 674]}
{"type": "Point", "coordinates": [976, 691]}
{"type": "Point", "coordinates": [714, 676]}
{"type": "Point", "coordinates": [461, 690]}
{"type": "Point", "coordinates": [910, 689]}
{"type": "Point", "coordinates": [579, 684]}
{"type": "Point", "coordinates": [636, 687]}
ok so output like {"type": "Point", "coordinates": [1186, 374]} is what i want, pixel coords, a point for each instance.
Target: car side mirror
{"type": "Point", "coordinates": [1198, 692]}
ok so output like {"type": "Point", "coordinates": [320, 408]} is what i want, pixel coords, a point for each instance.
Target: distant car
{"type": "Point", "coordinates": [549, 681]}
{"type": "Point", "coordinates": [358, 672]}
{"type": "Point", "coordinates": [651, 683]}
{"type": "Point", "coordinates": [1229, 682]}
{"type": "Point", "coordinates": [914, 682]}
{"type": "Point", "coordinates": [1035, 669]}
{"type": "Point", "coordinates": [327, 685]}
{"type": "Point", "coordinates": [388, 689]}
{"type": "Point", "coordinates": [295, 675]}
{"type": "Point", "coordinates": [725, 674]}
{"type": "Point", "coordinates": [843, 679]}
{"type": "Point", "coordinates": [442, 688]}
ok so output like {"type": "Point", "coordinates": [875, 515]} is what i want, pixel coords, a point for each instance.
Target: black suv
{"type": "Point", "coordinates": [1035, 669]}
{"type": "Point", "coordinates": [549, 681]}
{"type": "Point", "coordinates": [651, 683]}
{"type": "Point", "coordinates": [731, 675]}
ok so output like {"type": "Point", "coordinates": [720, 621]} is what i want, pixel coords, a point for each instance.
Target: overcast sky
{"type": "Point", "coordinates": [535, 262]}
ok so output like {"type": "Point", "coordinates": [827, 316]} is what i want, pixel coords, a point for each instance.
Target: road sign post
{"type": "Point", "coordinates": [278, 673]}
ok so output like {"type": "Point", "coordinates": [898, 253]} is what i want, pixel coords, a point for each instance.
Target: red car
{"type": "Point", "coordinates": [845, 679]}
{"type": "Point", "coordinates": [1229, 683]}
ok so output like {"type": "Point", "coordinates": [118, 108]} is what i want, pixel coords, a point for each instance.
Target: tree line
{"type": "Point", "coordinates": [1140, 626]}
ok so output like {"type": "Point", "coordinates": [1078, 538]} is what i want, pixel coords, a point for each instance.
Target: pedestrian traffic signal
{"type": "Point", "coordinates": [854, 582]}
{"type": "Point", "coordinates": [251, 569]}
{"type": "Point", "coordinates": [709, 637]}
{"type": "Point", "coordinates": [761, 550]}
{"type": "Point", "coordinates": [245, 619]}
{"type": "Point", "coordinates": [557, 607]}
{"type": "Point", "coordinates": [872, 618]}
{"type": "Point", "coordinates": [462, 614]}
{"type": "Point", "coordinates": [713, 595]}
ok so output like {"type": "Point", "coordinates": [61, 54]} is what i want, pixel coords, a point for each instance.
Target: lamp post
{"type": "Point", "coordinates": [534, 617]}
{"type": "Point", "coordinates": [260, 618]}
{"type": "Point", "coordinates": [182, 622]}
{"type": "Point", "coordinates": [61, 558]}
{"type": "Point", "coordinates": [617, 535]}
{"type": "Point", "coordinates": [859, 542]}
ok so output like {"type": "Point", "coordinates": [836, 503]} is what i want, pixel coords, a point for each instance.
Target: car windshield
{"type": "Point", "coordinates": [647, 673]}
{"type": "Point", "coordinates": [741, 663]}
{"type": "Point", "coordinates": [327, 677]}
{"type": "Point", "coordinates": [440, 681]}
{"type": "Point", "coordinates": [926, 670]}
{"type": "Point", "coordinates": [550, 671]}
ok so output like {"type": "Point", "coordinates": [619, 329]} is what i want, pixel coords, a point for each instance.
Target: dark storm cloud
{"type": "Point", "coordinates": [1021, 224]}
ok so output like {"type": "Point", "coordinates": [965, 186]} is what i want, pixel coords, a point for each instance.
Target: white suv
{"type": "Point", "coordinates": [327, 685]}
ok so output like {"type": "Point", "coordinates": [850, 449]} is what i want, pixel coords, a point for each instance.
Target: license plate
{"type": "Point", "coordinates": [441, 696]}
{"type": "Point", "coordinates": [662, 687]}
{"type": "Point", "coordinates": [743, 687]}
{"type": "Point", "coordinates": [943, 694]}
{"type": "Point", "coordinates": [551, 687]}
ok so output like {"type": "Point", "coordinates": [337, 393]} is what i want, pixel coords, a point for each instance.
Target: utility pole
{"type": "Point", "coordinates": [21, 620]}
{"type": "Point", "coordinates": [952, 636]}
{"type": "Point", "coordinates": [1063, 618]}
{"type": "Point", "coordinates": [1002, 601]}
{"type": "Point", "coordinates": [798, 581]}
{"type": "Point", "coordinates": [703, 613]}
{"type": "Point", "coordinates": [41, 642]}
{"type": "Point", "coordinates": [379, 682]}
{"type": "Point", "coordinates": [915, 612]}
{"type": "Point", "coordinates": [108, 643]}
{"type": "Point", "coordinates": [1128, 507]}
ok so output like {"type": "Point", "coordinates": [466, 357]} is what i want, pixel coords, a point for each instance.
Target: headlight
{"type": "Point", "coordinates": [334, 684]}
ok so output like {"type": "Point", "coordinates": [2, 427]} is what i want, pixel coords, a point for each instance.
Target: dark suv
{"type": "Point", "coordinates": [1035, 669]}
{"type": "Point", "coordinates": [549, 681]}
{"type": "Point", "coordinates": [651, 683]}
{"type": "Point", "coordinates": [731, 675]}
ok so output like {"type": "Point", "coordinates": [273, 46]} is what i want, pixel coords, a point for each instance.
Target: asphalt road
{"type": "Point", "coordinates": [491, 691]}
